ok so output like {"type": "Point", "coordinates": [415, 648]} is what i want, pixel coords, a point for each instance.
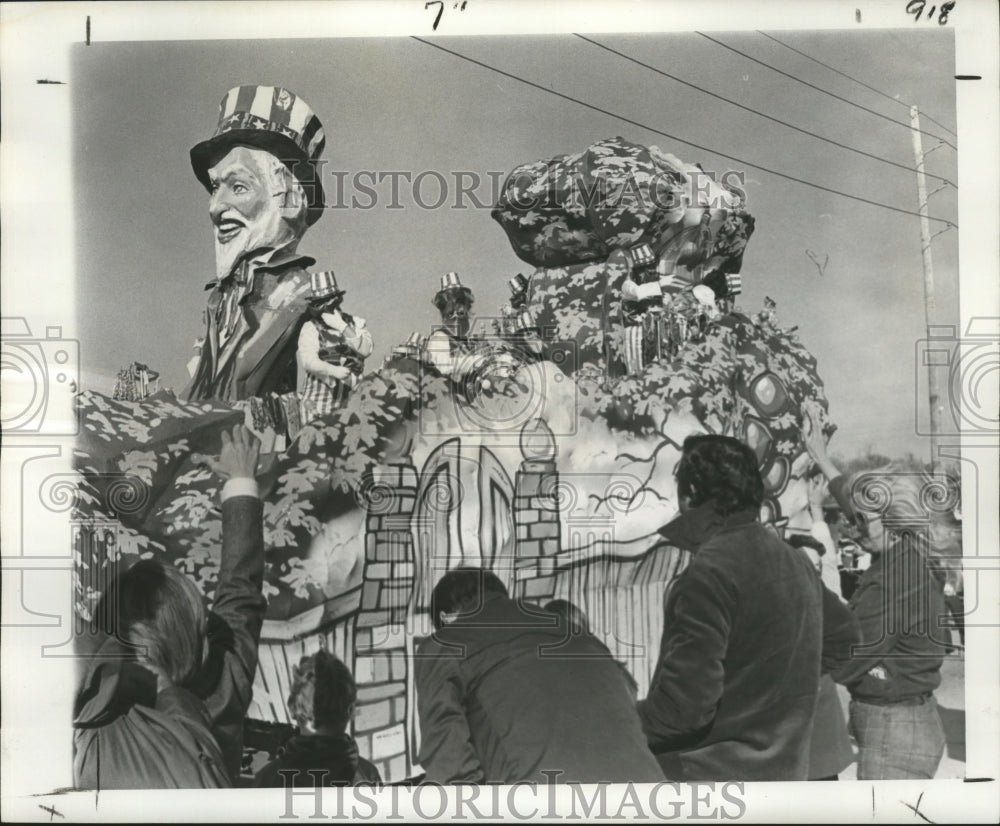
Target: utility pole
{"type": "Point", "coordinates": [930, 312]}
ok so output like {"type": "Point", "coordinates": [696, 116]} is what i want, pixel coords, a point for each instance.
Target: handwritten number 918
{"type": "Point", "coordinates": [916, 7]}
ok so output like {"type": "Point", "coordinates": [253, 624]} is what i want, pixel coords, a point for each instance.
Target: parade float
{"type": "Point", "coordinates": [548, 455]}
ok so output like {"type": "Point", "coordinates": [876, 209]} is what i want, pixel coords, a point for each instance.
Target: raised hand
{"type": "Point", "coordinates": [815, 442]}
{"type": "Point", "coordinates": [817, 493]}
{"type": "Point", "coordinates": [239, 456]}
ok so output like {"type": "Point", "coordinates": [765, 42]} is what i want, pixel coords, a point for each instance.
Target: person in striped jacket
{"type": "Point", "coordinates": [332, 349]}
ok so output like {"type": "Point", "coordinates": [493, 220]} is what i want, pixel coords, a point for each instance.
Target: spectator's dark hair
{"type": "Point", "coordinates": [801, 540]}
{"type": "Point", "coordinates": [323, 692]}
{"type": "Point", "coordinates": [159, 612]}
{"type": "Point", "coordinates": [572, 613]}
{"type": "Point", "coordinates": [463, 591]}
{"type": "Point", "coordinates": [722, 470]}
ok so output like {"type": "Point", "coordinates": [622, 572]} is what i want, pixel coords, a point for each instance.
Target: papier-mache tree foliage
{"type": "Point", "coordinates": [140, 494]}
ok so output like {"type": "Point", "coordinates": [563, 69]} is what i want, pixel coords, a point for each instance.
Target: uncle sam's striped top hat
{"type": "Point", "coordinates": [274, 119]}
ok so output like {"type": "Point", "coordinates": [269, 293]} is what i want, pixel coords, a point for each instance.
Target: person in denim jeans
{"type": "Point", "coordinates": [899, 603]}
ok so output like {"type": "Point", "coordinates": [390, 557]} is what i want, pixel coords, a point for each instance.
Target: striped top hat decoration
{"type": "Point", "coordinates": [525, 321]}
{"type": "Point", "coordinates": [417, 341]}
{"type": "Point", "coordinates": [518, 284]}
{"type": "Point", "coordinates": [413, 346]}
{"type": "Point", "coordinates": [451, 288]}
{"type": "Point", "coordinates": [324, 285]}
{"type": "Point", "coordinates": [724, 285]}
{"type": "Point", "coordinates": [449, 281]}
{"type": "Point", "coordinates": [271, 118]}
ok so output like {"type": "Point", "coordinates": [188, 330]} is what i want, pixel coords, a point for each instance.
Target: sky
{"type": "Point", "coordinates": [144, 243]}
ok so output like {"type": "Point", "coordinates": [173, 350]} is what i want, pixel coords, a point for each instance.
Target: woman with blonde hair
{"type": "Point", "coordinates": [162, 700]}
{"type": "Point", "coordinates": [906, 519]}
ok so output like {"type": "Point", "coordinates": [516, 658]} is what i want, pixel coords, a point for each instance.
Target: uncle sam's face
{"type": "Point", "coordinates": [252, 205]}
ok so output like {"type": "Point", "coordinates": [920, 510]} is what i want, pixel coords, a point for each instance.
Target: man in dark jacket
{"type": "Point", "coordinates": [734, 692]}
{"type": "Point", "coordinates": [162, 703]}
{"type": "Point", "coordinates": [830, 749]}
{"type": "Point", "coordinates": [508, 692]}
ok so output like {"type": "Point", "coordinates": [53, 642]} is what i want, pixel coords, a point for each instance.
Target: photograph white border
{"type": "Point", "coordinates": [37, 216]}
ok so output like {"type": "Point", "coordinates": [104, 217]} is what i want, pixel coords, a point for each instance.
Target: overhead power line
{"type": "Point", "coordinates": [824, 91]}
{"type": "Point", "coordinates": [860, 82]}
{"type": "Point", "coordinates": [673, 137]}
{"type": "Point", "coordinates": [761, 114]}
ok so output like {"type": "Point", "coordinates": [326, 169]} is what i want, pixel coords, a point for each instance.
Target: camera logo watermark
{"type": "Point", "coordinates": [909, 519]}
{"type": "Point", "coordinates": [40, 375]}
{"type": "Point", "coordinates": [967, 370]}
{"type": "Point", "coordinates": [500, 382]}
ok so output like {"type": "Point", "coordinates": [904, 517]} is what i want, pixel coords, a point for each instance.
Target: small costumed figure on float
{"type": "Point", "coordinates": [518, 297]}
{"type": "Point", "coordinates": [450, 349]}
{"type": "Point", "coordinates": [135, 383]}
{"type": "Point", "coordinates": [413, 348]}
{"type": "Point", "coordinates": [332, 349]}
{"type": "Point", "coordinates": [526, 337]}
{"type": "Point", "coordinates": [668, 301]}
{"type": "Point", "coordinates": [642, 304]}
{"type": "Point", "coordinates": [449, 342]}
{"type": "Point", "coordinates": [518, 291]}
{"type": "Point", "coordinates": [523, 345]}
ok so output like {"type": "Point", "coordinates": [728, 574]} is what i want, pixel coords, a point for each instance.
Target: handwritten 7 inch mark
{"type": "Point", "coordinates": [440, 11]}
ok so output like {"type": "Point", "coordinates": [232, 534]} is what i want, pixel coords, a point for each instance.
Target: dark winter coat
{"type": "Point", "coordinates": [510, 693]}
{"type": "Point", "coordinates": [830, 749]}
{"type": "Point", "coordinates": [127, 736]}
{"type": "Point", "coordinates": [334, 758]}
{"type": "Point", "coordinates": [734, 692]}
{"type": "Point", "coordinates": [899, 603]}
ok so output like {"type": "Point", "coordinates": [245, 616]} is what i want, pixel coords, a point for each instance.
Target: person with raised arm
{"type": "Point", "coordinates": [899, 604]}
{"type": "Point", "coordinates": [162, 702]}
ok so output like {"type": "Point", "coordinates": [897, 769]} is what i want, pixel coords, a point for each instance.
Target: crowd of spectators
{"type": "Point", "coordinates": [757, 632]}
